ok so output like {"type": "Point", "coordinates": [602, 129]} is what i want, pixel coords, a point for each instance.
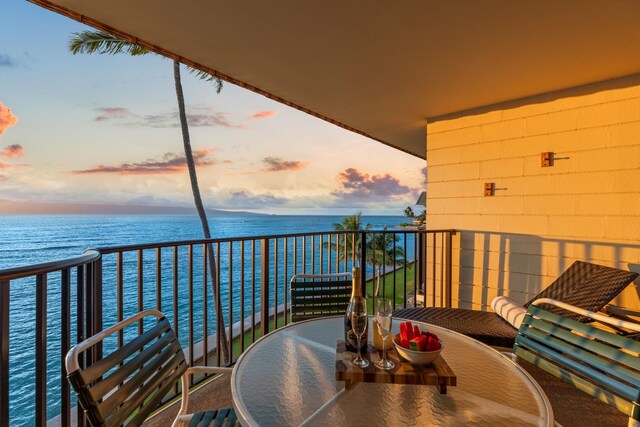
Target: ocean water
{"type": "Point", "coordinates": [32, 239]}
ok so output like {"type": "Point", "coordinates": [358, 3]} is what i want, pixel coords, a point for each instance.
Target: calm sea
{"type": "Point", "coordinates": [31, 239]}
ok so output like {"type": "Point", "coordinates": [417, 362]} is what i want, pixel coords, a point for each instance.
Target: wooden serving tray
{"type": "Point", "coordinates": [438, 373]}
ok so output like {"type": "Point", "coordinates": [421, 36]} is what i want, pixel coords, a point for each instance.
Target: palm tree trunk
{"type": "Point", "coordinates": [195, 188]}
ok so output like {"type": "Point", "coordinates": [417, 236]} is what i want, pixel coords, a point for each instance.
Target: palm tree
{"type": "Point", "coordinates": [88, 42]}
{"type": "Point", "coordinates": [380, 252]}
{"type": "Point", "coordinates": [347, 245]}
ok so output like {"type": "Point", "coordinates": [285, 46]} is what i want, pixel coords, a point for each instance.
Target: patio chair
{"type": "Point", "coordinates": [319, 295]}
{"type": "Point", "coordinates": [592, 362]}
{"type": "Point", "coordinates": [585, 285]}
{"type": "Point", "coordinates": [127, 385]}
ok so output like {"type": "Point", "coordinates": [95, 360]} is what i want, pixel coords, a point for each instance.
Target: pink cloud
{"type": "Point", "coordinates": [275, 164]}
{"type": "Point", "coordinates": [170, 163]}
{"type": "Point", "coordinates": [7, 118]}
{"type": "Point", "coordinates": [109, 113]}
{"type": "Point", "coordinates": [358, 186]}
{"type": "Point", "coordinates": [13, 150]}
{"type": "Point", "coordinates": [263, 114]}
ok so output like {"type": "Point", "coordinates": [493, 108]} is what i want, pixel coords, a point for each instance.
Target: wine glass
{"type": "Point", "coordinates": [359, 325]}
{"type": "Point", "coordinates": [384, 310]}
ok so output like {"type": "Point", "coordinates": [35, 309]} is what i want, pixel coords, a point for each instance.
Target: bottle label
{"type": "Point", "coordinates": [352, 338]}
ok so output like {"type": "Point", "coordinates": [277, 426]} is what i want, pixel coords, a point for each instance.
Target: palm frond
{"type": "Point", "coordinates": [87, 42]}
{"type": "Point", "coordinates": [202, 75]}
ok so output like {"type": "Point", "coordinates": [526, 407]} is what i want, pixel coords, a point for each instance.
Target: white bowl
{"type": "Point", "coordinates": [417, 357]}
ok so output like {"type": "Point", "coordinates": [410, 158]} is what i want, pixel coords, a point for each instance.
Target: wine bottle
{"type": "Point", "coordinates": [350, 338]}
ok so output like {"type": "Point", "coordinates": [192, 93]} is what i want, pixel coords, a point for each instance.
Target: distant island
{"type": "Point", "coordinates": [10, 207]}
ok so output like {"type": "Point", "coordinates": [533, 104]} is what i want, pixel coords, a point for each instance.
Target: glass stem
{"type": "Point", "coordinates": [358, 340]}
{"type": "Point", "coordinates": [384, 349]}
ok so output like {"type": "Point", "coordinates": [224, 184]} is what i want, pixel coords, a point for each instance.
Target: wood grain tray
{"type": "Point", "coordinates": [439, 373]}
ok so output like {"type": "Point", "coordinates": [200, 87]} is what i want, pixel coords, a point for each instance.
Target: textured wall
{"type": "Point", "coordinates": [586, 206]}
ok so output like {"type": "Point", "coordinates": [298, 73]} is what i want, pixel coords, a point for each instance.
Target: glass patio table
{"type": "Point", "coordinates": [288, 378]}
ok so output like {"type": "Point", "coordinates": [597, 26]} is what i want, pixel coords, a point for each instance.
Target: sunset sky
{"type": "Point", "coordinates": [104, 129]}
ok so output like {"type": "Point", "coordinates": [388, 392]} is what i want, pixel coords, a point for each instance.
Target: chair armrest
{"type": "Point", "coordinates": [184, 402]}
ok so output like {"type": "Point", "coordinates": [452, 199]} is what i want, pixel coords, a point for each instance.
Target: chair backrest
{"type": "Point", "coordinates": [127, 385]}
{"type": "Point", "coordinates": [598, 362]}
{"type": "Point", "coordinates": [585, 285]}
{"type": "Point", "coordinates": [318, 295]}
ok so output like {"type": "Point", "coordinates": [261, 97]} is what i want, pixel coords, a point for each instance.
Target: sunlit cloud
{"type": "Point", "coordinates": [356, 186]}
{"type": "Point", "coordinates": [7, 118]}
{"type": "Point", "coordinates": [170, 163]}
{"type": "Point", "coordinates": [263, 114]}
{"type": "Point", "coordinates": [424, 176]}
{"type": "Point", "coordinates": [276, 164]}
{"type": "Point", "coordinates": [12, 151]}
{"type": "Point", "coordinates": [109, 113]}
{"type": "Point", "coordinates": [204, 117]}
{"type": "Point", "coordinates": [7, 62]}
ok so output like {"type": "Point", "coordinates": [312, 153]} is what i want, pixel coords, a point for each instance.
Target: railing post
{"type": "Point", "coordinates": [264, 286]}
{"type": "Point", "coordinates": [448, 299]}
{"type": "Point", "coordinates": [421, 267]}
{"type": "Point", "coordinates": [41, 350]}
{"type": "Point", "coordinates": [363, 262]}
{"type": "Point", "coordinates": [97, 304]}
{"type": "Point", "coordinates": [4, 352]}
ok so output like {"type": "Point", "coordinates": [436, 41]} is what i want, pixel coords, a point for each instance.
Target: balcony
{"type": "Point", "coordinates": [75, 298]}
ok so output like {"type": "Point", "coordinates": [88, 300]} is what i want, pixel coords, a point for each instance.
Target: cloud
{"type": "Point", "coordinates": [424, 176]}
{"type": "Point", "coordinates": [7, 118]}
{"type": "Point", "coordinates": [276, 164]}
{"type": "Point", "coordinates": [169, 163]}
{"type": "Point", "coordinates": [109, 113]}
{"type": "Point", "coordinates": [13, 150]}
{"type": "Point", "coordinates": [243, 199]}
{"type": "Point", "coordinates": [7, 61]}
{"type": "Point", "coordinates": [358, 186]}
{"type": "Point", "coordinates": [263, 114]}
{"type": "Point", "coordinates": [204, 117]}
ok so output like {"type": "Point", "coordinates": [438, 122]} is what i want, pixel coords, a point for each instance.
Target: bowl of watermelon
{"type": "Point", "coordinates": [417, 346]}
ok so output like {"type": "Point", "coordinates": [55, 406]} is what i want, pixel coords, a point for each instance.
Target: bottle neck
{"type": "Point", "coordinates": [356, 290]}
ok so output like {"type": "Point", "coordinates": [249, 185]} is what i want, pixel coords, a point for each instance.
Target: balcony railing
{"type": "Point", "coordinates": [218, 304]}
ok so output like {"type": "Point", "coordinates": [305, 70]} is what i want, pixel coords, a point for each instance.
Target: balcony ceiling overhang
{"type": "Point", "coordinates": [383, 68]}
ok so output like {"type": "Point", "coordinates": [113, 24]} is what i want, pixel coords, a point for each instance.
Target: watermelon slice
{"type": "Point", "coordinates": [409, 330]}
{"type": "Point", "coordinates": [418, 344]}
{"type": "Point", "coordinates": [432, 344]}
{"type": "Point", "coordinates": [416, 331]}
{"type": "Point", "coordinates": [404, 339]}
{"type": "Point", "coordinates": [403, 327]}
{"type": "Point", "coordinates": [429, 334]}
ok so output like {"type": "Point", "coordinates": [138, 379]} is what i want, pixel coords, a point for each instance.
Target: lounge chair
{"type": "Point", "coordinates": [584, 285]}
{"type": "Point", "coordinates": [318, 295]}
{"type": "Point", "coordinates": [127, 385]}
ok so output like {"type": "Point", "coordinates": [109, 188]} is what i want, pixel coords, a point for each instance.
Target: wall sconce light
{"type": "Point", "coordinates": [546, 159]}
{"type": "Point", "coordinates": [489, 189]}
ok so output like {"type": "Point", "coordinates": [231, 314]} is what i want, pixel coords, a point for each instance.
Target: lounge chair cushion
{"type": "Point", "coordinates": [484, 326]}
{"type": "Point", "coordinates": [509, 310]}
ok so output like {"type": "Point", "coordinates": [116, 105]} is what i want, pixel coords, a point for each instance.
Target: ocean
{"type": "Point", "coordinates": [32, 239]}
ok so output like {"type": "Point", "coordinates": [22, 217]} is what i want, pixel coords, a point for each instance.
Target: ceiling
{"type": "Point", "coordinates": [383, 68]}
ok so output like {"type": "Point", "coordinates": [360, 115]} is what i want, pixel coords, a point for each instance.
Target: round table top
{"type": "Point", "coordinates": [288, 378]}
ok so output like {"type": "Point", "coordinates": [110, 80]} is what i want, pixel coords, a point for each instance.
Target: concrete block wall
{"type": "Point", "coordinates": [586, 206]}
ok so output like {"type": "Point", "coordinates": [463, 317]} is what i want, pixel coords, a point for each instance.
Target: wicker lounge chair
{"type": "Point", "coordinates": [127, 385]}
{"type": "Point", "coordinates": [585, 285]}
